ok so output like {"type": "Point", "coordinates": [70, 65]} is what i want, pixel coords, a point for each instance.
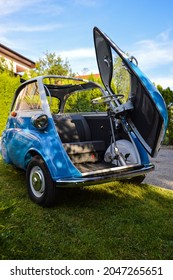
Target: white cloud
{"type": "Point", "coordinates": [28, 28]}
{"type": "Point", "coordinates": [48, 8]}
{"type": "Point", "coordinates": [11, 6]}
{"type": "Point", "coordinates": [8, 7]}
{"type": "Point", "coordinates": [19, 43]}
{"type": "Point", "coordinates": [155, 58]}
{"type": "Point", "coordinates": [78, 53]}
{"type": "Point", "coordinates": [80, 59]}
{"type": "Point", "coordinates": [152, 55]}
{"type": "Point", "coordinates": [38, 6]}
{"type": "Point", "coordinates": [155, 52]}
{"type": "Point", "coordinates": [163, 81]}
{"type": "Point", "coordinates": [87, 3]}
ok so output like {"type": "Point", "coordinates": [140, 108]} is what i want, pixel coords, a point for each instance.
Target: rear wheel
{"type": "Point", "coordinates": [135, 180]}
{"type": "Point", "coordinates": [41, 187]}
{"type": "Point", "coordinates": [138, 179]}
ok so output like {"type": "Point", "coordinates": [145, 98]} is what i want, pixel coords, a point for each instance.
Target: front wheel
{"type": "Point", "coordinates": [41, 187]}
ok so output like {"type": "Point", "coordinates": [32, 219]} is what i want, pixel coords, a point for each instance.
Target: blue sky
{"type": "Point", "coordinates": [143, 28]}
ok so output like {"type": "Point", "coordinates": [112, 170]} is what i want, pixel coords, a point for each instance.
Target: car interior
{"type": "Point", "coordinates": [85, 135]}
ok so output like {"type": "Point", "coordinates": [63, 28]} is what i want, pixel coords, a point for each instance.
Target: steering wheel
{"type": "Point", "coordinates": [106, 99]}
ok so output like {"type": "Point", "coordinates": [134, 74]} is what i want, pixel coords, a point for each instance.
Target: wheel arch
{"type": "Point", "coordinates": [33, 152]}
{"type": "Point", "coordinates": [30, 154]}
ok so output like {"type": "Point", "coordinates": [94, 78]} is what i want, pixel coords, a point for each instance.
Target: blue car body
{"type": "Point", "coordinates": [32, 141]}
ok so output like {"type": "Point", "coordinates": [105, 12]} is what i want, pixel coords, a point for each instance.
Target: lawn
{"type": "Point", "coordinates": [109, 221]}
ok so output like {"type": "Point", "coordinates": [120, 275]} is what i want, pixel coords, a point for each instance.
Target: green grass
{"type": "Point", "coordinates": [110, 221]}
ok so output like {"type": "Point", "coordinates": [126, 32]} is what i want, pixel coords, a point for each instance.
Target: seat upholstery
{"type": "Point", "coordinates": [72, 128]}
{"type": "Point", "coordinates": [75, 135]}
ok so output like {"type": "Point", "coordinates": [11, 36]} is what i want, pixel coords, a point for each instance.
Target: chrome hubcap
{"type": "Point", "coordinates": [37, 181]}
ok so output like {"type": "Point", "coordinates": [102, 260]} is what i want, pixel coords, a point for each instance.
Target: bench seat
{"type": "Point", "coordinates": [75, 135]}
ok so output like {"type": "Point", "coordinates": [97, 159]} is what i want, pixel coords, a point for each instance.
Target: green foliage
{"type": "Point", "coordinates": [82, 102]}
{"type": "Point", "coordinates": [3, 64]}
{"type": "Point", "coordinates": [121, 78]}
{"type": "Point", "coordinates": [109, 221]}
{"type": "Point", "coordinates": [5, 67]}
{"type": "Point", "coordinates": [8, 85]}
{"type": "Point", "coordinates": [54, 65]}
{"type": "Point", "coordinates": [168, 97]}
{"type": "Point", "coordinates": [50, 64]}
{"type": "Point", "coordinates": [54, 104]}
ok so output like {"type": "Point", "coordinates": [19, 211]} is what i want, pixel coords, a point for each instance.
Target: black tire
{"type": "Point", "coordinates": [41, 187]}
{"type": "Point", "coordinates": [135, 180]}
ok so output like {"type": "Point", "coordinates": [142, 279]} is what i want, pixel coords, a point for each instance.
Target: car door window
{"type": "Point", "coordinates": [28, 98]}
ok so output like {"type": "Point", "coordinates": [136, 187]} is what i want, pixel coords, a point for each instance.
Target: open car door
{"type": "Point", "coordinates": [147, 115]}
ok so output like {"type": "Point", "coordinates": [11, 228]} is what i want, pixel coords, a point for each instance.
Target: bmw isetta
{"type": "Point", "coordinates": [73, 132]}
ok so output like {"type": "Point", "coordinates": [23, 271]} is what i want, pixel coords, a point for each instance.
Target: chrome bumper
{"type": "Point", "coordinates": [113, 174]}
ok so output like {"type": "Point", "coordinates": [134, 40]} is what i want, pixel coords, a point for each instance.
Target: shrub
{"type": "Point", "coordinates": [168, 97]}
{"type": "Point", "coordinates": [8, 85]}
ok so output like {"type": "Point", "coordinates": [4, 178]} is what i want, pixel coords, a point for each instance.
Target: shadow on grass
{"type": "Point", "coordinates": [109, 221]}
{"type": "Point", "coordinates": [13, 180]}
{"type": "Point", "coordinates": [122, 193]}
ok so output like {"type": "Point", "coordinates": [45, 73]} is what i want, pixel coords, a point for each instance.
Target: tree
{"type": "Point", "coordinates": [50, 64]}
{"type": "Point", "coordinates": [168, 97]}
{"type": "Point", "coordinates": [121, 78]}
{"type": "Point", "coordinates": [8, 85]}
{"type": "Point", "coordinates": [4, 67]}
